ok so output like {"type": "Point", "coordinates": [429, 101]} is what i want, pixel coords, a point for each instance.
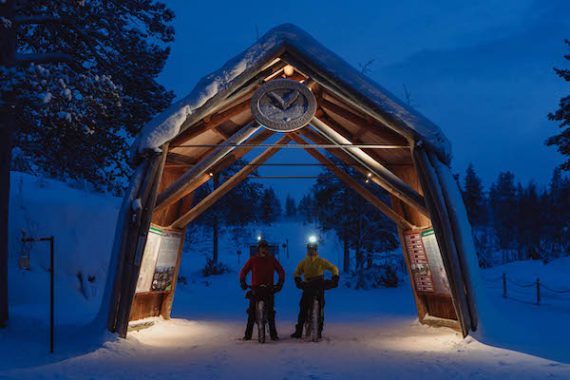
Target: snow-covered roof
{"type": "Point", "coordinates": [290, 38]}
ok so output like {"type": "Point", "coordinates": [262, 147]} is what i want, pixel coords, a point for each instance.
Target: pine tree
{"type": "Point", "coordinates": [562, 140]}
{"type": "Point", "coordinates": [77, 81]}
{"type": "Point", "coordinates": [530, 222]}
{"type": "Point", "coordinates": [269, 206]}
{"type": "Point", "coordinates": [332, 208]}
{"type": "Point", "coordinates": [86, 83]}
{"type": "Point", "coordinates": [558, 222]}
{"type": "Point", "coordinates": [306, 208]}
{"type": "Point", "coordinates": [357, 223]}
{"type": "Point", "coordinates": [290, 207]}
{"type": "Point", "coordinates": [233, 209]}
{"type": "Point", "coordinates": [504, 208]}
{"type": "Point", "coordinates": [474, 198]}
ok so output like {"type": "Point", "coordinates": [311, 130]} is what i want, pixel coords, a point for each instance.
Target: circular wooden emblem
{"type": "Point", "coordinates": [283, 105]}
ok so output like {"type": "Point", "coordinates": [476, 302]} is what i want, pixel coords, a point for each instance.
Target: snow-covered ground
{"type": "Point", "coordinates": [368, 334]}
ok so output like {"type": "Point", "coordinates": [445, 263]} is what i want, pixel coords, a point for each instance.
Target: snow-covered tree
{"type": "Point", "coordinates": [562, 140]}
{"type": "Point", "coordinates": [85, 83]}
{"type": "Point", "coordinates": [77, 81]}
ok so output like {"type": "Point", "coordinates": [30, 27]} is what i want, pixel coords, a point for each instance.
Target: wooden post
{"type": "Point", "coordinates": [420, 304]}
{"type": "Point", "coordinates": [134, 248]}
{"type": "Point", "coordinates": [444, 235]}
{"type": "Point", "coordinates": [7, 128]}
{"type": "Point", "coordinates": [538, 291]}
{"type": "Point", "coordinates": [504, 285]}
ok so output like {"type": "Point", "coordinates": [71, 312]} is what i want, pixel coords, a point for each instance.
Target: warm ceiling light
{"type": "Point", "coordinates": [369, 175]}
{"type": "Point", "coordinates": [211, 174]}
{"type": "Point", "coordinates": [289, 70]}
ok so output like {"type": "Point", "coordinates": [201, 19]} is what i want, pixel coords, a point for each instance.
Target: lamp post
{"type": "Point", "coordinates": [51, 241]}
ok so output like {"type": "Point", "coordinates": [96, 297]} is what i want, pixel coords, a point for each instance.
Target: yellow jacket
{"type": "Point", "coordinates": [314, 267]}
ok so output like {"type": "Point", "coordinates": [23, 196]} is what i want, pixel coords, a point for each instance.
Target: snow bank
{"type": "Point", "coordinates": [83, 226]}
{"type": "Point", "coordinates": [167, 125]}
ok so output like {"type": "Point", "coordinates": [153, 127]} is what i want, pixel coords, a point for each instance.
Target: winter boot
{"type": "Point", "coordinates": [272, 327]}
{"type": "Point", "coordinates": [249, 327]}
{"type": "Point", "coordinates": [248, 332]}
{"type": "Point", "coordinates": [273, 331]}
{"type": "Point", "coordinates": [298, 332]}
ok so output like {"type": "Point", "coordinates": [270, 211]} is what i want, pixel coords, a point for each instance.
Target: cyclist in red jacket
{"type": "Point", "coordinates": [262, 266]}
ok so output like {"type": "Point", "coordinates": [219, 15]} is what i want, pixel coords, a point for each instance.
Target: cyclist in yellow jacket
{"type": "Point", "coordinates": [312, 267]}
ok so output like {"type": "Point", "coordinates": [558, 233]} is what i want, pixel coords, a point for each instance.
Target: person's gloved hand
{"type": "Point", "coordinates": [335, 281]}
{"type": "Point", "coordinates": [299, 283]}
{"type": "Point", "coordinates": [243, 284]}
{"type": "Point", "coordinates": [278, 287]}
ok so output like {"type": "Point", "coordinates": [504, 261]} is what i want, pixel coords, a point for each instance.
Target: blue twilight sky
{"type": "Point", "coordinates": [481, 70]}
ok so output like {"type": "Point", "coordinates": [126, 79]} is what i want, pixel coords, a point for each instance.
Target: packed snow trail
{"type": "Point", "coordinates": [367, 346]}
{"type": "Point", "coordinates": [368, 334]}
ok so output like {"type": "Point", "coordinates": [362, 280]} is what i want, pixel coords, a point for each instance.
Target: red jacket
{"type": "Point", "coordinates": [262, 268]}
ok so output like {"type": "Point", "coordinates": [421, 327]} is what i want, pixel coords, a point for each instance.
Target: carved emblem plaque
{"type": "Point", "coordinates": [283, 105]}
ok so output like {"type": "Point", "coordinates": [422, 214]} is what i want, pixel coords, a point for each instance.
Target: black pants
{"type": "Point", "coordinates": [306, 303]}
{"type": "Point", "coordinates": [270, 304]}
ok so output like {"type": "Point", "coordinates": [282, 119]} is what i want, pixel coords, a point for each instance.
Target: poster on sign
{"type": "Point", "coordinates": [419, 264]}
{"type": "Point", "coordinates": [166, 261]}
{"type": "Point", "coordinates": [159, 260]}
{"type": "Point", "coordinates": [431, 248]}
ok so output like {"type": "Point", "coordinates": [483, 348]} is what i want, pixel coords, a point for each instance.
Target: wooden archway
{"type": "Point", "coordinates": [356, 121]}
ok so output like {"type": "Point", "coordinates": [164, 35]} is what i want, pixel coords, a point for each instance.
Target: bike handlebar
{"type": "Point", "coordinates": [273, 287]}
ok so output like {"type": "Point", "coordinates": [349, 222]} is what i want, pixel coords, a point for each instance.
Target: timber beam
{"type": "Point", "coordinates": [211, 123]}
{"type": "Point", "coordinates": [228, 185]}
{"type": "Point", "coordinates": [345, 158]}
{"type": "Point", "coordinates": [225, 162]}
{"type": "Point", "coordinates": [181, 186]}
{"type": "Point", "coordinates": [389, 180]}
{"type": "Point", "coordinates": [358, 188]}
